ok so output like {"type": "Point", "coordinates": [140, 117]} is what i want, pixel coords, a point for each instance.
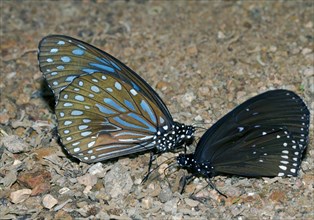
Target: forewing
{"type": "Point", "coordinates": [62, 59]}
{"type": "Point", "coordinates": [102, 117]}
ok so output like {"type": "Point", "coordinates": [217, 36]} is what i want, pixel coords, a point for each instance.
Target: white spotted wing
{"type": "Point", "coordinates": [264, 136]}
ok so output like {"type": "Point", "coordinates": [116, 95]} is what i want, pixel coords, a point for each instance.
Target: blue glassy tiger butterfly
{"type": "Point", "coordinates": [104, 109]}
{"type": "Point", "coordinates": [263, 137]}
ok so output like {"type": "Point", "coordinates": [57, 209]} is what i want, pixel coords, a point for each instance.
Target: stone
{"type": "Point", "coordinates": [14, 144]}
{"type": "Point", "coordinates": [49, 201]}
{"type": "Point", "coordinates": [118, 181]}
{"type": "Point", "coordinates": [20, 195]}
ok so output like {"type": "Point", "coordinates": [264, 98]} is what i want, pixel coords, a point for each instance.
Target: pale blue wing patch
{"type": "Point", "coordinates": [148, 109]}
{"type": "Point", "coordinates": [104, 110]}
{"type": "Point", "coordinates": [115, 105]}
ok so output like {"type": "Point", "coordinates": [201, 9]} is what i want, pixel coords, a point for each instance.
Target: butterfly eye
{"type": "Point", "coordinates": [104, 109]}
{"type": "Point", "coordinates": [265, 136]}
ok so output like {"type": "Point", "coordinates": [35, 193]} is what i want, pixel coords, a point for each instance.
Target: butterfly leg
{"type": "Point", "coordinates": [184, 181]}
{"type": "Point", "coordinates": [151, 159]}
{"type": "Point", "coordinates": [212, 185]}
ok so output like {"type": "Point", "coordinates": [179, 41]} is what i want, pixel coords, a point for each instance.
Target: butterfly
{"type": "Point", "coordinates": [103, 108]}
{"type": "Point", "coordinates": [263, 137]}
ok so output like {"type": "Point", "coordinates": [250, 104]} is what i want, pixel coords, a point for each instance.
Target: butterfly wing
{"type": "Point", "coordinates": [62, 59]}
{"type": "Point", "coordinates": [102, 117]}
{"type": "Point", "coordinates": [254, 126]}
{"type": "Point", "coordinates": [259, 152]}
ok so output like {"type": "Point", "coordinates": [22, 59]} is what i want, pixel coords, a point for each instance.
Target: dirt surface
{"type": "Point", "coordinates": [203, 58]}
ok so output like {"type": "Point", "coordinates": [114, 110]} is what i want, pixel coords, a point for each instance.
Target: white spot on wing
{"type": "Point", "coordinates": [65, 59]}
{"type": "Point", "coordinates": [118, 86]}
{"type": "Point", "coordinates": [82, 127]}
{"type": "Point", "coordinates": [54, 50]}
{"type": "Point", "coordinates": [76, 112]}
{"type": "Point", "coordinates": [133, 92]}
{"type": "Point", "coordinates": [283, 167]}
{"type": "Point", "coordinates": [67, 123]}
{"type": "Point", "coordinates": [79, 98]}
{"type": "Point", "coordinates": [77, 149]}
{"type": "Point", "coordinates": [95, 89]}
{"type": "Point", "coordinates": [86, 133]}
{"type": "Point", "coordinates": [90, 144]}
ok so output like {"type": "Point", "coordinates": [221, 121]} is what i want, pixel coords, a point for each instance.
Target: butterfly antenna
{"type": "Point", "coordinates": [170, 166]}
{"type": "Point", "coordinates": [212, 185]}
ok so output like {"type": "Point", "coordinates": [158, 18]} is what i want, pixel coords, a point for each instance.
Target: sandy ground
{"type": "Point", "coordinates": [203, 58]}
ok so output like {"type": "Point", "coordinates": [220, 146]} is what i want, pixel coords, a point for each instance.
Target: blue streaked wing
{"type": "Point", "coordinates": [95, 124]}
{"type": "Point", "coordinates": [62, 59]}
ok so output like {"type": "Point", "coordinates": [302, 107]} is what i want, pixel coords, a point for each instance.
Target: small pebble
{"type": "Point", "coordinates": [118, 181]}
{"type": "Point", "coordinates": [87, 189]}
{"type": "Point", "coordinates": [147, 203]}
{"type": "Point", "coordinates": [191, 202]}
{"type": "Point", "coordinates": [87, 180]}
{"type": "Point", "coordinates": [309, 71]}
{"type": "Point", "coordinates": [20, 195]}
{"type": "Point", "coordinates": [97, 170]}
{"type": "Point", "coordinates": [138, 181]}
{"type": "Point", "coordinates": [309, 25]}
{"type": "Point", "coordinates": [306, 51]}
{"type": "Point", "coordinates": [273, 49]}
{"type": "Point", "coordinates": [49, 201]}
{"type": "Point", "coordinates": [192, 50]}
{"type": "Point", "coordinates": [221, 35]}
{"type": "Point", "coordinates": [165, 194]}
{"type": "Point", "coordinates": [188, 98]}
{"type": "Point", "coordinates": [81, 204]}
{"type": "Point", "coordinates": [58, 207]}
{"type": "Point", "coordinates": [64, 190]}
{"type": "Point", "coordinates": [198, 118]}
{"type": "Point", "coordinates": [14, 144]}
{"type": "Point", "coordinates": [171, 206]}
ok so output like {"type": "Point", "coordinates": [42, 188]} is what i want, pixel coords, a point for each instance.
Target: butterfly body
{"type": "Point", "coordinates": [264, 136]}
{"type": "Point", "coordinates": [104, 109]}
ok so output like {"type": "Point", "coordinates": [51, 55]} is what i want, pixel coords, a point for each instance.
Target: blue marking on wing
{"type": "Point", "coordinates": [104, 67]}
{"type": "Point", "coordinates": [114, 105]}
{"type": "Point", "coordinates": [135, 86]}
{"type": "Point", "coordinates": [129, 105]}
{"type": "Point", "coordinates": [138, 118]}
{"type": "Point", "coordinates": [115, 65]}
{"type": "Point", "coordinates": [147, 109]}
{"type": "Point", "coordinates": [127, 124]}
{"type": "Point", "coordinates": [105, 110]}
{"type": "Point", "coordinates": [86, 70]}
{"type": "Point", "coordinates": [70, 78]}
{"type": "Point", "coordinates": [103, 60]}
{"type": "Point", "coordinates": [65, 59]}
{"type": "Point", "coordinates": [78, 52]}
{"type": "Point", "coordinates": [161, 120]}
